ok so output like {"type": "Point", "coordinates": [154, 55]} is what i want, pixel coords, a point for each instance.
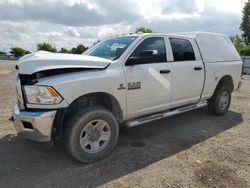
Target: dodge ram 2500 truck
{"type": "Point", "coordinates": [129, 80]}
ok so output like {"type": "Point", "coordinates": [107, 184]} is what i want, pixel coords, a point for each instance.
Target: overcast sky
{"type": "Point", "coordinates": [66, 23]}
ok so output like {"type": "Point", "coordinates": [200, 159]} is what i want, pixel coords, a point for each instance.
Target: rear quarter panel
{"type": "Point", "coordinates": [216, 70]}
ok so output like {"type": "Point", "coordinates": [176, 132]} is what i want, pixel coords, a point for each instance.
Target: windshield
{"type": "Point", "coordinates": [112, 48]}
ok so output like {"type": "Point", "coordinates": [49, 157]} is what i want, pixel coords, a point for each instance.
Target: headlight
{"type": "Point", "coordinates": [42, 95]}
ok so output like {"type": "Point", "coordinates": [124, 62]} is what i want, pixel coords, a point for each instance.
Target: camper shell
{"type": "Point", "coordinates": [214, 47]}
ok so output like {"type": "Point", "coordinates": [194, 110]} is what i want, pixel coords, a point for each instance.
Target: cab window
{"type": "Point", "coordinates": [151, 50]}
{"type": "Point", "coordinates": [182, 49]}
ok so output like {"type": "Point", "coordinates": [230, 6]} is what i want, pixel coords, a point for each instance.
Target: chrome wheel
{"type": "Point", "coordinates": [95, 136]}
{"type": "Point", "coordinates": [224, 100]}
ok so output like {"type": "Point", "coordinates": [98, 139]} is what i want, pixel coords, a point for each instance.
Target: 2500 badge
{"type": "Point", "coordinates": [134, 85]}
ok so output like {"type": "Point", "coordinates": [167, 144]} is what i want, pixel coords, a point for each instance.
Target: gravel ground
{"type": "Point", "coordinates": [194, 149]}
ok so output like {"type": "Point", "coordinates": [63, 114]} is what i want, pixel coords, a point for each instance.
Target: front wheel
{"type": "Point", "coordinates": [220, 101]}
{"type": "Point", "coordinates": [91, 134]}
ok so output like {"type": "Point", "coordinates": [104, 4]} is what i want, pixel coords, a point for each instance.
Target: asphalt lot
{"type": "Point", "coordinates": [194, 149]}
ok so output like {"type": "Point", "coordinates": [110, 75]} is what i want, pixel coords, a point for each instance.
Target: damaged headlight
{"type": "Point", "coordinates": [41, 95]}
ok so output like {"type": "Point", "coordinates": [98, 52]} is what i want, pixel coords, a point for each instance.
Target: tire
{"type": "Point", "coordinates": [220, 101]}
{"type": "Point", "coordinates": [90, 134]}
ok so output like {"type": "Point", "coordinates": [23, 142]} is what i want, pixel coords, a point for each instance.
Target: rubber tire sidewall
{"type": "Point", "coordinates": [213, 103]}
{"type": "Point", "coordinates": [74, 127]}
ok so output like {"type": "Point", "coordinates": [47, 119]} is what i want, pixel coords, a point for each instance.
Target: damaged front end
{"type": "Point", "coordinates": [34, 78]}
{"type": "Point", "coordinates": [40, 107]}
{"type": "Point", "coordinates": [33, 125]}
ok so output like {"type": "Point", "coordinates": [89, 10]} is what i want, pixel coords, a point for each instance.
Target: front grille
{"type": "Point", "coordinates": [20, 101]}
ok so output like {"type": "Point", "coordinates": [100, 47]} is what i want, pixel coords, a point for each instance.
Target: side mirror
{"type": "Point", "coordinates": [133, 61]}
{"type": "Point", "coordinates": [148, 53]}
{"type": "Point", "coordinates": [147, 56]}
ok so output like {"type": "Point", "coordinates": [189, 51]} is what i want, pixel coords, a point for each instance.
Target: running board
{"type": "Point", "coordinates": [147, 119]}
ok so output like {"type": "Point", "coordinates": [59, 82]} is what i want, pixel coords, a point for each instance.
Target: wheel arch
{"type": "Point", "coordinates": [106, 100]}
{"type": "Point", "coordinates": [214, 101]}
{"type": "Point", "coordinates": [226, 80]}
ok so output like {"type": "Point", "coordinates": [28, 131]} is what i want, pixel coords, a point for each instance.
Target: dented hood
{"type": "Point", "coordinates": [41, 60]}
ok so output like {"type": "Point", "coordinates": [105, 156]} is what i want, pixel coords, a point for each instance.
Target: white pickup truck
{"type": "Point", "coordinates": [128, 80]}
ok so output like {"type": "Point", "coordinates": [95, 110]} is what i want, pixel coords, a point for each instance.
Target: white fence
{"type": "Point", "coordinates": [246, 64]}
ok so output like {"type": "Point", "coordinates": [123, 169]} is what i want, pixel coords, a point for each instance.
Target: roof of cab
{"type": "Point", "coordinates": [194, 34]}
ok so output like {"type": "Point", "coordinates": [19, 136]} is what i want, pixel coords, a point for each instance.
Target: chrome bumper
{"type": "Point", "coordinates": [36, 126]}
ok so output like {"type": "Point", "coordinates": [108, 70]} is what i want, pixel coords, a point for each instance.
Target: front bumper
{"type": "Point", "coordinates": [36, 126]}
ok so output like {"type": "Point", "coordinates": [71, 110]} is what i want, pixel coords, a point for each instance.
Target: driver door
{"type": "Point", "coordinates": [148, 76]}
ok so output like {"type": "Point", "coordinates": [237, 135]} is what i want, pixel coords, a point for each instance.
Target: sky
{"type": "Point", "coordinates": [67, 23]}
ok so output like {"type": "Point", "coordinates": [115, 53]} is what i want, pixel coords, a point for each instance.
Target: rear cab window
{"type": "Point", "coordinates": [182, 49]}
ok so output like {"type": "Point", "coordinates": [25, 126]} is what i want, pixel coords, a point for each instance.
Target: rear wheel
{"type": "Point", "coordinates": [220, 101]}
{"type": "Point", "coordinates": [91, 134]}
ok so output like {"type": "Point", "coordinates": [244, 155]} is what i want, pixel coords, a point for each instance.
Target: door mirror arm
{"type": "Point", "coordinates": [146, 56]}
{"type": "Point", "coordinates": [132, 61]}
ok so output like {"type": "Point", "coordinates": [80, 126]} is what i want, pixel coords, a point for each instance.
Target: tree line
{"type": "Point", "coordinates": [19, 52]}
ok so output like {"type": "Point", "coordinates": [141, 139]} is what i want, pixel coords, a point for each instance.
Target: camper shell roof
{"type": "Point", "coordinates": [214, 47]}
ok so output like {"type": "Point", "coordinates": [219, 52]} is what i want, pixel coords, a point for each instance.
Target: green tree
{"type": "Point", "coordinates": [18, 52]}
{"type": "Point", "coordinates": [237, 41]}
{"type": "Point", "coordinates": [79, 49]}
{"type": "Point", "coordinates": [240, 46]}
{"type": "Point", "coordinates": [143, 30]}
{"type": "Point", "coordinates": [245, 51]}
{"type": "Point", "coordinates": [46, 47]}
{"type": "Point", "coordinates": [64, 50]}
{"type": "Point", "coordinates": [245, 25]}
{"type": "Point", "coordinates": [72, 51]}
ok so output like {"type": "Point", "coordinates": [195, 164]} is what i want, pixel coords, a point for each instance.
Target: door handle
{"type": "Point", "coordinates": [197, 68]}
{"type": "Point", "coordinates": [165, 71]}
